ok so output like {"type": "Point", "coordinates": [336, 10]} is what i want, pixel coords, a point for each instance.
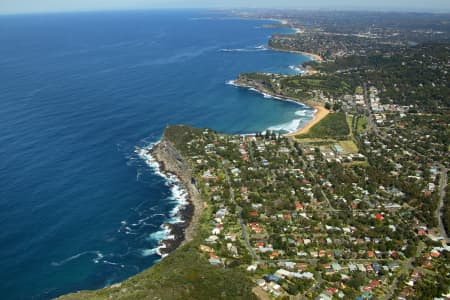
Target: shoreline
{"type": "Point", "coordinates": [313, 56]}
{"type": "Point", "coordinates": [182, 229]}
{"type": "Point", "coordinates": [171, 163]}
{"type": "Point", "coordinates": [320, 113]}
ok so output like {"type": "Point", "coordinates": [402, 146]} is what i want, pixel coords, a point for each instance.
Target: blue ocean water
{"type": "Point", "coordinates": [79, 209]}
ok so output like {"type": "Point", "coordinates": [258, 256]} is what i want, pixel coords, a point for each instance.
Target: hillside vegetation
{"type": "Point", "coordinates": [184, 274]}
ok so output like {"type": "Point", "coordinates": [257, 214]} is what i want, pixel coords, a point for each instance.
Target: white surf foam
{"type": "Point", "coordinates": [232, 82]}
{"type": "Point", "coordinates": [148, 252]}
{"type": "Point", "coordinates": [294, 124]}
{"type": "Point", "coordinates": [178, 192]}
{"type": "Point", "coordinates": [290, 126]}
{"type": "Point", "coordinates": [179, 195]}
{"type": "Point", "coordinates": [98, 255]}
{"type": "Point", "coordinates": [304, 113]}
{"type": "Point", "coordinates": [160, 235]}
{"type": "Point", "coordinates": [247, 49]}
{"type": "Point", "coordinates": [297, 69]}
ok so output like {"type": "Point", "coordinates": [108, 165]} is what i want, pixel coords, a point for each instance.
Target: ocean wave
{"type": "Point", "coordinates": [297, 69]}
{"type": "Point", "coordinates": [148, 252]}
{"type": "Point", "coordinates": [158, 215]}
{"type": "Point", "coordinates": [163, 234]}
{"type": "Point", "coordinates": [180, 195]}
{"type": "Point", "coordinates": [290, 126]}
{"type": "Point", "coordinates": [96, 259]}
{"type": "Point", "coordinates": [158, 251]}
{"type": "Point", "coordinates": [286, 127]}
{"type": "Point", "coordinates": [247, 49]}
{"type": "Point", "coordinates": [182, 56]}
{"type": "Point", "coordinates": [178, 192]}
{"type": "Point", "coordinates": [231, 82]}
{"type": "Point", "coordinates": [106, 262]}
{"type": "Point", "coordinates": [140, 222]}
{"type": "Point", "coordinates": [153, 251]}
{"type": "Point", "coordinates": [304, 113]}
{"type": "Point", "coordinates": [296, 123]}
{"type": "Point", "coordinates": [268, 96]}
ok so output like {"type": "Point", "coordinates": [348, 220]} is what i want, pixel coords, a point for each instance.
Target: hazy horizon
{"type": "Point", "coordinates": [54, 6]}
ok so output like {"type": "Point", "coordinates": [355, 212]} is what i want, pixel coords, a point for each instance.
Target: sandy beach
{"type": "Point", "coordinates": [321, 113]}
{"type": "Point", "coordinates": [314, 56]}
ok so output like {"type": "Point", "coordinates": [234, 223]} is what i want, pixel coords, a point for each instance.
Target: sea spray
{"type": "Point", "coordinates": [178, 194]}
{"type": "Point", "coordinates": [247, 49]}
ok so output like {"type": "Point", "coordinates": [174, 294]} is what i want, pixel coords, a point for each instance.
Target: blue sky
{"type": "Point", "coordinates": [29, 6]}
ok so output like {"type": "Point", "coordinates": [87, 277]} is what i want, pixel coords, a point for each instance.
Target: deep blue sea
{"type": "Point", "coordinates": [79, 209]}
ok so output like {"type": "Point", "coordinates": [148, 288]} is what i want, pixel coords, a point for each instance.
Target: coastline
{"type": "Point", "coordinates": [172, 166]}
{"type": "Point", "coordinates": [320, 113]}
{"type": "Point", "coordinates": [313, 56]}
{"type": "Point", "coordinates": [185, 214]}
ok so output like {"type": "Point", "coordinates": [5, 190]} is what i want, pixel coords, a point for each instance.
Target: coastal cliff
{"type": "Point", "coordinates": [173, 162]}
{"type": "Point", "coordinates": [184, 273]}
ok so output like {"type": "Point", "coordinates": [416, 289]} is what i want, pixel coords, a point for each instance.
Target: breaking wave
{"type": "Point", "coordinates": [97, 257]}
{"type": "Point", "coordinates": [295, 124]}
{"type": "Point", "coordinates": [179, 196]}
{"type": "Point", "coordinates": [247, 49]}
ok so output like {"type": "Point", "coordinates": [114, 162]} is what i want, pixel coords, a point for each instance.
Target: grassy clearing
{"type": "Point", "coordinates": [359, 90]}
{"type": "Point", "coordinates": [335, 128]}
{"type": "Point", "coordinates": [362, 124]}
{"type": "Point", "coordinates": [349, 146]}
{"type": "Point", "coordinates": [350, 123]}
{"type": "Point", "coordinates": [334, 125]}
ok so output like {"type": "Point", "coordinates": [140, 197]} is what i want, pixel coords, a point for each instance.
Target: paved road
{"type": "Point", "coordinates": [405, 269]}
{"type": "Point", "coordinates": [370, 120]}
{"type": "Point", "coordinates": [328, 200]}
{"type": "Point", "coordinates": [245, 237]}
{"type": "Point", "coordinates": [241, 222]}
{"type": "Point", "coordinates": [438, 212]}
